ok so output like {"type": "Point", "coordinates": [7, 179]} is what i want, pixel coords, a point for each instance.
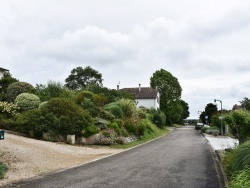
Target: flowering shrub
{"type": "Point", "coordinates": [108, 137]}
{"type": "Point", "coordinates": [8, 109]}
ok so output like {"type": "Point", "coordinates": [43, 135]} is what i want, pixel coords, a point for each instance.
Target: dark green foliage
{"type": "Point", "coordinates": [170, 94]}
{"type": "Point", "coordinates": [51, 90]}
{"type": "Point", "coordinates": [131, 128]}
{"type": "Point", "coordinates": [16, 88]}
{"type": "Point", "coordinates": [239, 158]}
{"type": "Point", "coordinates": [105, 114]}
{"type": "Point", "coordinates": [128, 107]}
{"type": "Point", "coordinates": [242, 179]}
{"type": "Point", "coordinates": [210, 111]}
{"type": "Point", "coordinates": [239, 124]}
{"type": "Point", "coordinates": [3, 170]}
{"type": "Point", "coordinates": [67, 117]}
{"type": "Point", "coordinates": [158, 117]}
{"type": "Point", "coordinates": [32, 123]}
{"type": "Point", "coordinates": [116, 127]}
{"type": "Point", "coordinates": [83, 78]}
{"type": "Point", "coordinates": [90, 130]}
{"type": "Point", "coordinates": [5, 81]}
{"type": "Point", "coordinates": [115, 109]}
{"type": "Point", "coordinates": [111, 94]}
{"type": "Point", "coordinates": [101, 123]}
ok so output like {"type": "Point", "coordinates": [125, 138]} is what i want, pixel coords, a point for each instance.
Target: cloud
{"type": "Point", "coordinates": [204, 44]}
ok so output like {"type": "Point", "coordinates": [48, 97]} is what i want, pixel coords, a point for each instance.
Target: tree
{"type": "Point", "coordinates": [170, 94]}
{"type": "Point", "coordinates": [245, 103]}
{"type": "Point", "coordinates": [185, 107]}
{"type": "Point", "coordinates": [5, 81]}
{"type": "Point", "coordinates": [210, 110]}
{"type": "Point", "coordinates": [83, 78]}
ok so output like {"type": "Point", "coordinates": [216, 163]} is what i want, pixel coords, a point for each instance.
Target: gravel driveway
{"type": "Point", "coordinates": [27, 157]}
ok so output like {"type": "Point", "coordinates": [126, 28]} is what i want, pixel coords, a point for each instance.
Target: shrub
{"type": "Point", "coordinates": [8, 109]}
{"type": "Point", "coordinates": [158, 117]}
{"type": "Point", "coordinates": [106, 115]}
{"type": "Point", "coordinates": [101, 123]}
{"type": "Point", "coordinates": [17, 88]}
{"type": "Point", "coordinates": [128, 107]}
{"type": "Point", "coordinates": [204, 129]}
{"type": "Point", "coordinates": [108, 137]}
{"type": "Point", "coordinates": [239, 158]}
{"type": "Point", "coordinates": [131, 128]}
{"type": "Point", "coordinates": [65, 117]}
{"type": "Point", "coordinates": [242, 179]}
{"type": "Point", "coordinates": [142, 128]}
{"type": "Point", "coordinates": [239, 124]}
{"type": "Point", "coordinates": [32, 123]}
{"type": "Point", "coordinates": [114, 109]}
{"type": "Point", "coordinates": [90, 130]}
{"type": "Point", "coordinates": [27, 101]}
{"type": "Point", "coordinates": [116, 127]}
{"type": "Point", "coordinates": [3, 170]}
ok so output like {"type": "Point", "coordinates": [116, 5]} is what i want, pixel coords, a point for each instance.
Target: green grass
{"type": "Point", "coordinates": [3, 170]}
{"type": "Point", "coordinates": [145, 138]}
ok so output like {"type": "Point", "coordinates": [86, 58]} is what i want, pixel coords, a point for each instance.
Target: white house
{"type": "Point", "coordinates": [145, 96]}
{"type": "Point", "coordinates": [2, 71]}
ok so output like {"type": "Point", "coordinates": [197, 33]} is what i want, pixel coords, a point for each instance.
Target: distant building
{"type": "Point", "coordinates": [2, 71]}
{"type": "Point", "coordinates": [145, 97]}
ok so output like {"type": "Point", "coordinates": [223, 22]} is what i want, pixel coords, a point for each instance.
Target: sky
{"type": "Point", "coordinates": [204, 44]}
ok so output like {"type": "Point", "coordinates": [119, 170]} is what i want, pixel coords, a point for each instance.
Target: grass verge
{"type": "Point", "coordinates": [3, 170]}
{"type": "Point", "coordinates": [145, 138]}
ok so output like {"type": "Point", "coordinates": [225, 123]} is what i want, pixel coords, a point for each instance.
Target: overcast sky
{"type": "Point", "coordinates": [204, 44]}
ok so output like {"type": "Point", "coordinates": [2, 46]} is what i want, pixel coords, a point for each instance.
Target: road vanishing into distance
{"type": "Point", "coordinates": [180, 159]}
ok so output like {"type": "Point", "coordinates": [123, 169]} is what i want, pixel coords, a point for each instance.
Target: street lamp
{"type": "Point", "coordinates": [220, 115]}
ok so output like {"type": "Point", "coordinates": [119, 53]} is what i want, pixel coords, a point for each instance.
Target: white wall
{"type": "Point", "coordinates": [1, 74]}
{"type": "Point", "coordinates": [147, 103]}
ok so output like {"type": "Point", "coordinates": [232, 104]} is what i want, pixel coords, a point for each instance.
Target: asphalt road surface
{"type": "Point", "coordinates": [181, 159]}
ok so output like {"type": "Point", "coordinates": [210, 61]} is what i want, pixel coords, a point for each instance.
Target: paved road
{"type": "Point", "coordinates": [181, 159]}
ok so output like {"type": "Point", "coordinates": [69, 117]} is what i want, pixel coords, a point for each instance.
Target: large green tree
{"type": "Point", "coordinates": [170, 94]}
{"type": "Point", "coordinates": [83, 78]}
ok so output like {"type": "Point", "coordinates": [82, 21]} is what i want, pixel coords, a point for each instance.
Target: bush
{"type": "Point", "coordinates": [159, 118]}
{"type": "Point", "coordinates": [239, 124]}
{"type": "Point", "coordinates": [106, 115]}
{"type": "Point", "coordinates": [90, 130]}
{"type": "Point", "coordinates": [65, 117]}
{"type": "Point", "coordinates": [101, 123]}
{"type": "Point", "coordinates": [204, 129]}
{"type": "Point", "coordinates": [114, 109]}
{"type": "Point", "coordinates": [8, 109]}
{"type": "Point", "coordinates": [31, 123]}
{"type": "Point", "coordinates": [108, 137]}
{"type": "Point", "coordinates": [3, 170]}
{"type": "Point", "coordinates": [241, 180]}
{"type": "Point", "coordinates": [239, 158]}
{"type": "Point", "coordinates": [116, 127]}
{"type": "Point", "coordinates": [17, 88]}
{"type": "Point", "coordinates": [128, 107]}
{"type": "Point", "coordinates": [27, 101]}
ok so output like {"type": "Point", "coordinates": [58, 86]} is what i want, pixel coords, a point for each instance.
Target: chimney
{"type": "Point", "coordinates": [139, 87]}
{"type": "Point", "coordinates": [117, 87]}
